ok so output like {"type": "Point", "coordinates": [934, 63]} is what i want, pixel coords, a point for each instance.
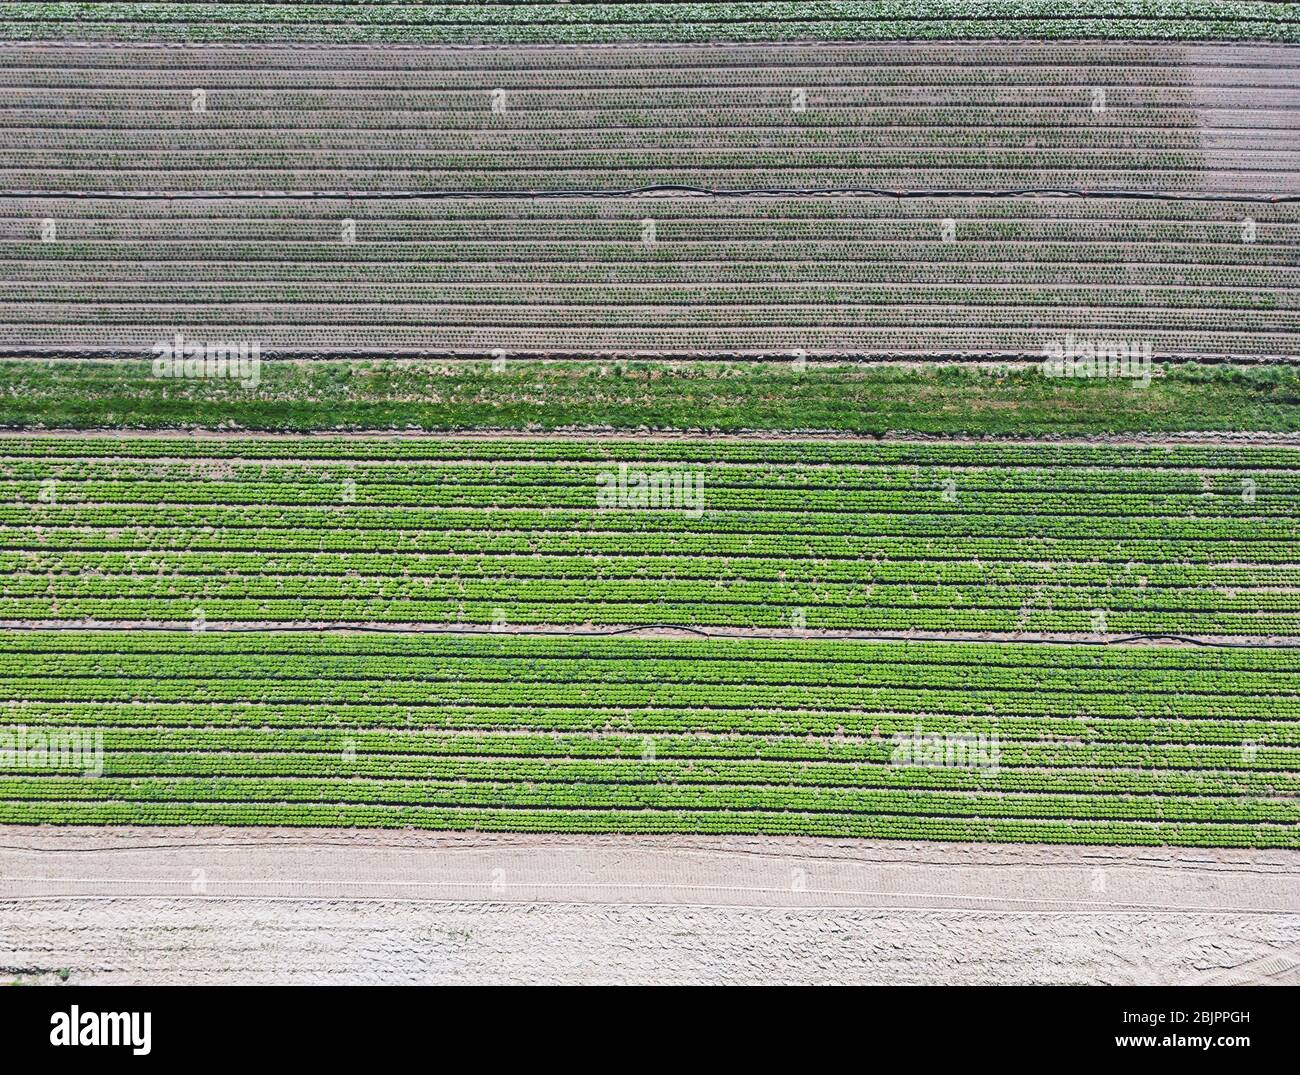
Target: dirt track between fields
{"type": "Point", "coordinates": [227, 905]}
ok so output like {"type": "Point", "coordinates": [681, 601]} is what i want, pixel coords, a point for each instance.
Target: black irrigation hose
{"type": "Point", "coordinates": [609, 632]}
{"type": "Point", "coordinates": [665, 189]}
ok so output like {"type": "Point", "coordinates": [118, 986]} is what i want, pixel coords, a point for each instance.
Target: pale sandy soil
{"type": "Point", "coordinates": [228, 905]}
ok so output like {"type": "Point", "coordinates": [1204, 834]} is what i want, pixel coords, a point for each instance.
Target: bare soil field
{"type": "Point", "coordinates": [943, 116]}
{"type": "Point", "coordinates": [226, 905]}
{"type": "Point", "coordinates": [738, 200]}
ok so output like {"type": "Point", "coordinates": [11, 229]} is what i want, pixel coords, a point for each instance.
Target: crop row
{"type": "Point", "coordinates": [644, 614]}
{"type": "Point", "coordinates": [270, 541]}
{"type": "Point", "coordinates": [849, 246]}
{"type": "Point", "coordinates": [688, 772]}
{"type": "Point", "coordinates": [1218, 172]}
{"type": "Point", "coordinates": [675, 340]}
{"type": "Point", "coordinates": [585, 235]}
{"type": "Point", "coordinates": [838, 658]}
{"type": "Point", "coordinates": [123, 474]}
{"type": "Point", "coordinates": [378, 733]}
{"type": "Point", "coordinates": [1142, 92]}
{"type": "Point", "coordinates": [474, 159]}
{"type": "Point", "coordinates": [94, 223]}
{"type": "Point", "coordinates": [655, 796]}
{"type": "Point", "coordinates": [634, 251]}
{"type": "Point", "coordinates": [1031, 62]}
{"type": "Point", "coordinates": [73, 147]}
{"type": "Point", "coordinates": [794, 451]}
{"type": "Point", "coordinates": [773, 325]}
{"type": "Point", "coordinates": [1203, 717]}
{"type": "Point", "coordinates": [1273, 284]}
{"type": "Point", "coordinates": [740, 598]}
{"type": "Point", "coordinates": [779, 212]}
{"type": "Point", "coordinates": [1094, 718]}
{"type": "Point", "coordinates": [611, 304]}
{"type": "Point", "coordinates": [725, 569]}
{"type": "Point", "coordinates": [1118, 833]}
{"type": "Point", "coordinates": [797, 320]}
{"type": "Point", "coordinates": [948, 496]}
{"type": "Point", "coordinates": [340, 676]}
{"type": "Point", "coordinates": [475, 102]}
{"type": "Point", "coordinates": [724, 130]}
{"type": "Point", "coordinates": [690, 514]}
{"type": "Point", "coordinates": [379, 483]}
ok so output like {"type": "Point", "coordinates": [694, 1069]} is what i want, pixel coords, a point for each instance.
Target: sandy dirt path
{"type": "Point", "coordinates": [224, 905]}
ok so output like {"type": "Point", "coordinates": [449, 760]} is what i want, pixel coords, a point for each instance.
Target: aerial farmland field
{"type": "Point", "coordinates": [808, 478]}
